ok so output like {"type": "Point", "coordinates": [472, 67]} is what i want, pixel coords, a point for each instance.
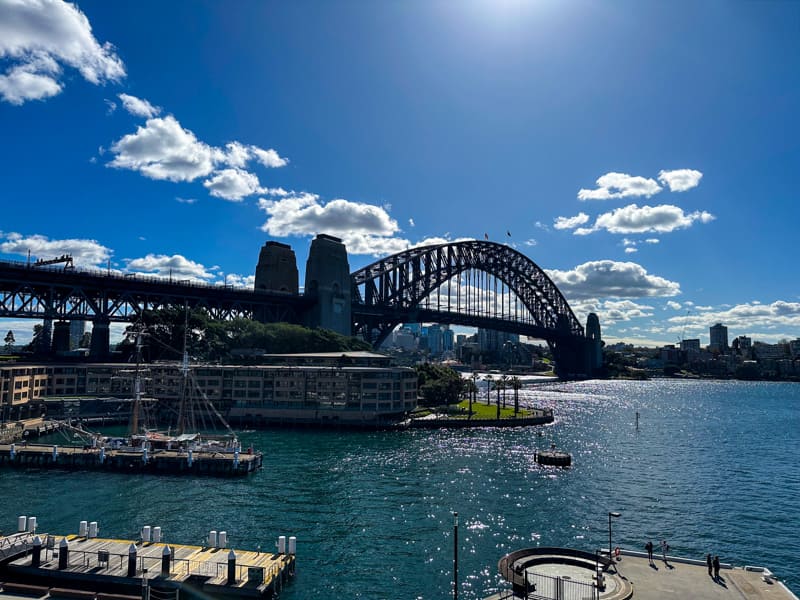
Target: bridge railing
{"type": "Point", "coordinates": [120, 275]}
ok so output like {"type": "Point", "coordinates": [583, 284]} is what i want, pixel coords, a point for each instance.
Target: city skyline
{"type": "Point", "coordinates": [641, 156]}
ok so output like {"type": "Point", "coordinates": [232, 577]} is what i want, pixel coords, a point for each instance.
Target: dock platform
{"type": "Point", "coordinates": [129, 460]}
{"type": "Point", "coordinates": [111, 569]}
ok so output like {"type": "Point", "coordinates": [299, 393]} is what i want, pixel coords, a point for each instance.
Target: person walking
{"type": "Point", "coordinates": [710, 564]}
{"type": "Point", "coordinates": [664, 548]}
{"type": "Point", "coordinates": [716, 568]}
{"type": "Point", "coordinates": [649, 547]}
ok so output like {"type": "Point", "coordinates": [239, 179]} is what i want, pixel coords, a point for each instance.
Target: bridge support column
{"type": "Point", "coordinates": [328, 283]}
{"type": "Point", "coordinates": [61, 336]}
{"type": "Point", "coordinates": [98, 350]}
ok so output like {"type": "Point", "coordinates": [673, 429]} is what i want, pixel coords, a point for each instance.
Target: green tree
{"type": "Point", "coordinates": [439, 385]}
{"type": "Point", "coordinates": [9, 340]}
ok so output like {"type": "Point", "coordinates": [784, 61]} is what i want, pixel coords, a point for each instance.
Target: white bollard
{"type": "Point", "coordinates": [83, 529]}
{"type": "Point", "coordinates": [212, 539]}
{"type": "Point", "coordinates": [146, 533]}
{"type": "Point", "coordinates": [222, 539]}
{"type": "Point", "coordinates": [22, 523]}
{"type": "Point", "coordinates": [93, 529]}
{"type": "Point", "coordinates": [32, 524]}
{"type": "Point", "coordinates": [282, 544]}
{"type": "Point", "coordinates": [292, 545]}
{"type": "Point", "coordinates": [157, 535]}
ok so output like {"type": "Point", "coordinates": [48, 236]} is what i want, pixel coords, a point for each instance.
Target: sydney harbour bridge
{"type": "Point", "coordinates": [471, 283]}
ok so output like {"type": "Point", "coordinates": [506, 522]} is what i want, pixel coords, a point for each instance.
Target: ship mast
{"type": "Point", "coordinates": [137, 386]}
{"type": "Point", "coordinates": [185, 373]}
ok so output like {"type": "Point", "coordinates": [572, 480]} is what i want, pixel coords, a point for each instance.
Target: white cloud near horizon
{"type": "Point", "coordinates": [38, 38]}
{"type": "Point", "coordinates": [139, 107]}
{"type": "Point", "coordinates": [663, 218]}
{"type": "Point", "coordinates": [620, 185]}
{"type": "Point", "coordinates": [163, 149]}
{"type": "Point", "coordinates": [175, 266]}
{"type": "Point", "coordinates": [762, 322]}
{"type": "Point", "coordinates": [608, 279]}
{"type": "Point", "coordinates": [85, 253]}
{"type": "Point", "coordinates": [611, 312]}
{"type": "Point", "coordinates": [680, 180]}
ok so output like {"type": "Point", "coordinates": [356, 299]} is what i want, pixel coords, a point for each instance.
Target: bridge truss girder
{"type": "Point", "coordinates": [393, 290]}
{"type": "Point", "coordinates": [27, 292]}
{"type": "Point", "coordinates": [399, 283]}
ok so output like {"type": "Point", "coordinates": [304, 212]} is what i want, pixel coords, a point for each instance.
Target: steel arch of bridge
{"type": "Point", "coordinates": [392, 290]}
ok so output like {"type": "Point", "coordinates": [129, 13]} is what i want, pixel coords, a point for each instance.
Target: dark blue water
{"type": "Point", "coordinates": [712, 468]}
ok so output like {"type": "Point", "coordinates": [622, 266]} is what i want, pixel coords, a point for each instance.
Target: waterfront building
{"type": "Point", "coordinates": [351, 388]}
{"type": "Point", "coordinates": [718, 335]}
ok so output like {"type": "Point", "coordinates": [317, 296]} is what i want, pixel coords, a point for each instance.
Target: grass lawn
{"type": "Point", "coordinates": [481, 411]}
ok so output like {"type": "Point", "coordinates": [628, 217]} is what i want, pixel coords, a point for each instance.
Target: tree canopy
{"type": "Point", "coordinates": [209, 339]}
{"type": "Point", "coordinates": [439, 385]}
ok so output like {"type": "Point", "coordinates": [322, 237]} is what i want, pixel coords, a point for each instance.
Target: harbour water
{"type": "Point", "coordinates": [712, 468]}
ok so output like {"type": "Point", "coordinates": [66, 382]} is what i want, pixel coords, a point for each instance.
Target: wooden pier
{"type": "Point", "coordinates": [130, 460]}
{"type": "Point", "coordinates": [91, 568]}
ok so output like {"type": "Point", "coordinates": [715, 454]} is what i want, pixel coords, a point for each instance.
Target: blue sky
{"type": "Point", "coordinates": [643, 153]}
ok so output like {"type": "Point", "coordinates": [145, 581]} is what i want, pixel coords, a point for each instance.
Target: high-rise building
{"type": "Point", "coordinates": [718, 335]}
{"type": "Point", "coordinates": [76, 331]}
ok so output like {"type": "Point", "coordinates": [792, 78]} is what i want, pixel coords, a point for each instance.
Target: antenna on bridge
{"type": "Point", "coordinates": [64, 258]}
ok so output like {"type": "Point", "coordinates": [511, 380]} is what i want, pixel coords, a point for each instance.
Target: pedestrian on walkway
{"type": "Point", "coordinates": [664, 548]}
{"type": "Point", "coordinates": [716, 568]}
{"type": "Point", "coordinates": [649, 547]}
{"type": "Point", "coordinates": [709, 563]}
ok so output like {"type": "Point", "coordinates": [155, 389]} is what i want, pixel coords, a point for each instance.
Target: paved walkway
{"type": "Point", "coordinates": [680, 578]}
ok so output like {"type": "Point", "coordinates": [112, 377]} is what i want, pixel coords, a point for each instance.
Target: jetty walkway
{"type": "Point", "coordinates": [129, 460]}
{"type": "Point", "coordinates": [92, 568]}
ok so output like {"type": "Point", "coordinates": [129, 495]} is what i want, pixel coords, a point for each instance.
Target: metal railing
{"type": "Point", "coordinates": [546, 587]}
{"type": "Point", "coordinates": [178, 566]}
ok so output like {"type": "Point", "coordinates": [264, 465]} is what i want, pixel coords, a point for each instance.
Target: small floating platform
{"type": "Point", "coordinates": [130, 460]}
{"type": "Point", "coordinates": [553, 458]}
{"type": "Point", "coordinates": [91, 568]}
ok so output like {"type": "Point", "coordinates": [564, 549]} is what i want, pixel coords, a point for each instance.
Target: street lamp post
{"type": "Point", "coordinates": [455, 556]}
{"type": "Point", "coordinates": [615, 515]}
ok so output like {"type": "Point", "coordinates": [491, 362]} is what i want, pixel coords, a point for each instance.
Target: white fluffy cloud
{"type": "Point", "coordinates": [232, 184]}
{"type": "Point", "coordinates": [570, 222]}
{"type": "Point", "coordinates": [138, 106]}
{"type": "Point", "coordinates": [680, 180]}
{"type": "Point", "coordinates": [268, 158]}
{"type": "Point", "coordinates": [303, 214]}
{"type": "Point", "coordinates": [663, 218]}
{"type": "Point", "coordinates": [85, 253]}
{"type": "Point", "coordinates": [175, 266]}
{"type": "Point", "coordinates": [163, 149]}
{"type": "Point", "coordinates": [611, 312]}
{"type": "Point", "coordinates": [620, 185]}
{"type": "Point", "coordinates": [38, 38]}
{"type": "Point", "coordinates": [611, 279]}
